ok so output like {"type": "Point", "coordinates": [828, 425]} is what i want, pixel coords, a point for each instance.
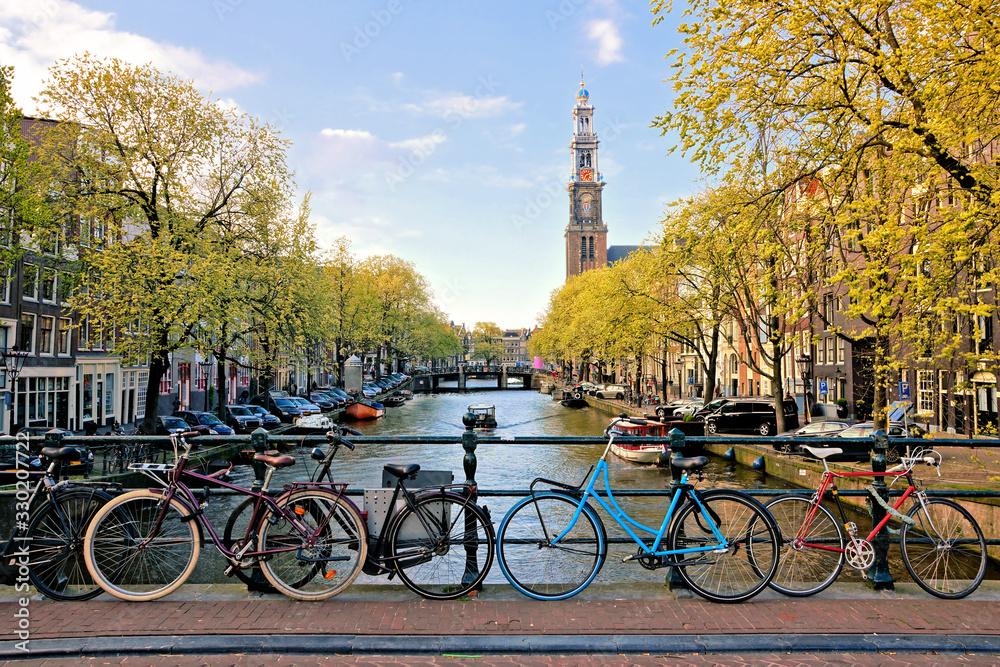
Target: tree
{"type": "Point", "coordinates": [487, 338]}
{"type": "Point", "coordinates": [167, 178]}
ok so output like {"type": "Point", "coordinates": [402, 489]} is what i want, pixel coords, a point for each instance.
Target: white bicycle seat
{"type": "Point", "coordinates": [823, 452]}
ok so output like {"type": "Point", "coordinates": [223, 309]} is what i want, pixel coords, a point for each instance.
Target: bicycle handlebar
{"type": "Point", "coordinates": [337, 440]}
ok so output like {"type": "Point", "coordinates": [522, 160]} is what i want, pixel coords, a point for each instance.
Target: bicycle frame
{"type": "Point", "coordinates": [827, 484]}
{"type": "Point", "coordinates": [626, 522]}
{"type": "Point", "coordinates": [187, 498]}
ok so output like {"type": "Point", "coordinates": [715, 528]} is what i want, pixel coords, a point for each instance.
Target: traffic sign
{"type": "Point", "coordinates": [904, 389]}
{"type": "Point", "coordinates": [822, 387]}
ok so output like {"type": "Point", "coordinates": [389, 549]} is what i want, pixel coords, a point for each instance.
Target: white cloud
{"type": "Point", "coordinates": [467, 106]}
{"type": "Point", "coordinates": [363, 135]}
{"type": "Point", "coordinates": [36, 34]}
{"type": "Point", "coordinates": [421, 144]}
{"type": "Point", "coordinates": [609, 41]}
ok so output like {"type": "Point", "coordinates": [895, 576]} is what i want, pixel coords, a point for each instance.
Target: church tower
{"type": "Point", "coordinates": [586, 235]}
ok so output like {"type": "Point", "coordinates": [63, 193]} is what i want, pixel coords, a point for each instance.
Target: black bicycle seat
{"type": "Point", "coordinates": [402, 470]}
{"type": "Point", "coordinates": [692, 463]}
{"type": "Point", "coordinates": [60, 453]}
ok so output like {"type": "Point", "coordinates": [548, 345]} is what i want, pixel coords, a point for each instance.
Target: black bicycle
{"type": "Point", "coordinates": [49, 525]}
{"type": "Point", "coordinates": [437, 539]}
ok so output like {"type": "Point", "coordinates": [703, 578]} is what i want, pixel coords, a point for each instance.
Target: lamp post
{"type": "Point", "coordinates": [206, 366]}
{"type": "Point", "coordinates": [806, 369]}
{"type": "Point", "coordinates": [11, 362]}
{"type": "Point", "coordinates": [680, 370]}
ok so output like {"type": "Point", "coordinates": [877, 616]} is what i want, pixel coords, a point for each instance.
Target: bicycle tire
{"type": "Point", "coordinates": [806, 570]}
{"type": "Point", "coordinates": [305, 573]}
{"type": "Point", "coordinates": [536, 568]}
{"type": "Point", "coordinates": [161, 566]}
{"type": "Point", "coordinates": [747, 528]}
{"type": "Point", "coordinates": [442, 546]}
{"type": "Point", "coordinates": [55, 544]}
{"type": "Point", "coordinates": [236, 530]}
{"type": "Point", "coordinates": [116, 464]}
{"type": "Point", "coordinates": [944, 551]}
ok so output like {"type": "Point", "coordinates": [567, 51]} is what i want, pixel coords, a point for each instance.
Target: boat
{"type": "Point", "coordinates": [485, 415]}
{"type": "Point", "coordinates": [638, 452]}
{"type": "Point", "coordinates": [364, 410]}
{"type": "Point", "coordinates": [406, 394]}
{"type": "Point", "coordinates": [393, 401]}
{"type": "Point", "coordinates": [314, 424]}
{"type": "Point", "coordinates": [573, 399]}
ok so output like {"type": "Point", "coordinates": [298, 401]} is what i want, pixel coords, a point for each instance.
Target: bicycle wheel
{"type": "Point", "coordinates": [944, 551]}
{"type": "Point", "coordinates": [442, 547]}
{"type": "Point", "coordinates": [813, 562]}
{"type": "Point", "coordinates": [116, 461]}
{"type": "Point", "coordinates": [237, 531]}
{"type": "Point", "coordinates": [336, 556]}
{"type": "Point", "coordinates": [133, 560]}
{"type": "Point", "coordinates": [536, 567]}
{"type": "Point", "coordinates": [55, 544]}
{"type": "Point", "coordinates": [749, 562]}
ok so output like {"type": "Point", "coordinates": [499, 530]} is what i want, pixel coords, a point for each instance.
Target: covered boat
{"type": "Point", "coordinates": [364, 410]}
{"type": "Point", "coordinates": [638, 452]}
{"type": "Point", "coordinates": [393, 401]}
{"type": "Point", "coordinates": [485, 415]}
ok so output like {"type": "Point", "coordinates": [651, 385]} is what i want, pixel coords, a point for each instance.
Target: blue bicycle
{"type": "Point", "coordinates": [724, 544]}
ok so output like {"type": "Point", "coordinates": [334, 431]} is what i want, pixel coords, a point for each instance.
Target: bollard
{"type": "Point", "coordinates": [674, 580]}
{"type": "Point", "coordinates": [258, 441]}
{"type": "Point", "coordinates": [879, 577]}
{"type": "Point", "coordinates": [469, 442]}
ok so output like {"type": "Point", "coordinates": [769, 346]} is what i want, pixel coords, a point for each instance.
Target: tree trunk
{"type": "Point", "coordinates": [777, 389]}
{"type": "Point", "coordinates": [159, 364]}
{"type": "Point", "coordinates": [220, 381]}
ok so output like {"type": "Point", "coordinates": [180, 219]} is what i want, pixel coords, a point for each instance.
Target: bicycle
{"type": "Point", "coordinates": [145, 544]}
{"type": "Point", "coordinates": [48, 529]}
{"type": "Point", "coordinates": [942, 546]}
{"type": "Point", "coordinates": [553, 543]}
{"type": "Point", "coordinates": [437, 539]}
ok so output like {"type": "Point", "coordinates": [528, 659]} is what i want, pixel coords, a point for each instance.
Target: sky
{"type": "Point", "coordinates": [436, 131]}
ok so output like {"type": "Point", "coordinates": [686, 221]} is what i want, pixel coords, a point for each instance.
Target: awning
{"type": "Point", "coordinates": [984, 377]}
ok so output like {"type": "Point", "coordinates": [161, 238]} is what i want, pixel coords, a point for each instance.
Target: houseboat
{"type": "Point", "coordinates": [638, 452]}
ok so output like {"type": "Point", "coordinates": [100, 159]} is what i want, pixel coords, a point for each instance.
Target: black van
{"type": "Point", "coordinates": [755, 416]}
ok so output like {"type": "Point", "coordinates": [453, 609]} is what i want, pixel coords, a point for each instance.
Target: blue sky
{"type": "Point", "coordinates": [436, 131]}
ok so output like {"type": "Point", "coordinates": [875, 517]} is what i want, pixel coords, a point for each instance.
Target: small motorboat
{"type": "Point", "coordinates": [313, 424]}
{"type": "Point", "coordinates": [573, 399]}
{"type": "Point", "coordinates": [405, 393]}
{"type": "Point", "coordinates": [393, 401]}
{"type": "Point", "coordinates": [485, 414]}
{"type": "Point", "coordinates": [638, 452]}
{"type": "Point", "coordinates": [364, 410]}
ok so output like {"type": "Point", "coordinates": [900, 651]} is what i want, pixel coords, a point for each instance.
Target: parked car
{"type": "Point", "coordinates": [307, 408]}
{"type": "Point", "coordinates": [689, 409]}
{"type": "Point", "coordinates": [282, 407]}
{"type": "Point", "coordinates": [167, 424]}
{"type": "Point", "coordinates": [856, 441]}
{"type": "Point", "coordinates": [325, 401]}
{"type": "Point", "coordinates": [267, 420]}
{"type": "Point", "coordinates": [820, 429]}
{"type": "Point", "coordinates": [214, 424]}
{"type": "Point", "coordinates": [339, 392]}
{"type": "Point", "coordinates": [616, 391]}
{"type": "Point", "coordinates": [37, 434]}
{"type": "Point", "coordinates": [754, 416]}
{"type": "Point", "coordinates": [242, 419]}
{"type": "Point", "coordinates": [708, 408]}
{"type": "Point", "coordinates": [667, 409]}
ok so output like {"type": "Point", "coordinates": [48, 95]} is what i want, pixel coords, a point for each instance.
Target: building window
{"type": "Point", "coordinates": [48, 285]}
{"type": "Point", "coordinates": [841, 350]}
{"type": "Point", "coordinates": [45, 331]}
{"type": "Point", "coordinates": [165, 382]}
{"type": "Point", "coordinates": [27, 340]}
{"type": "Point", "coordinates": [29, 287]}
{"type": "Point", "coordinates": [5, 287]}
{"type": "Point", "coordinates": [821, 352]}
{"type": "Point", "coordinates": [830, 342]}
{"type": "Point", "coordinates": [65, 331]}
{"type": "Point", "coordinates": [140, 394]}
{"type": "Point", "coordinates": [925, 391]}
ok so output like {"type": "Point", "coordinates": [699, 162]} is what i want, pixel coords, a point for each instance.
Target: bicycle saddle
{"type": "Point", "coordinates": [275, 461]}
{"type": "Point", "coordinates": [60, 453]}
{"type": "Point", "coordinates": [692, 463]}
{"type": "Point", "coordinates": [402, 471]}
{"type": "Point", "coordinates": [823, 452]}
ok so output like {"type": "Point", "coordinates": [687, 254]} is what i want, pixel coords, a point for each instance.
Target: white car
{"type": "Point", "coordinates": [611, 391]}
{"type": "Point", "coordinates": [689, 409]}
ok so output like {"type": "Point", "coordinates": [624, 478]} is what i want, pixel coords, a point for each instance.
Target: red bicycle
{"type": "Point", "coordinates": [942, 546]}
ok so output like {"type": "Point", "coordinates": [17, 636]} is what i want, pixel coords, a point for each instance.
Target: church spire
{"type": "Point", "coordinates": [586, 234]}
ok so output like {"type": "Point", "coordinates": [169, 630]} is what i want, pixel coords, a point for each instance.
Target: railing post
{"type": "Point", "coordinates": [879, 577]}
{"type": "Point", "coordinates": [674, 580]}
{"type": "Point", "coordinates": [469, 442]}
{"type": "Point", "coordinates": [258, 442]}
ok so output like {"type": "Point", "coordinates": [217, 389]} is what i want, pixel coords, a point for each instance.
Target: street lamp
{"type": "Point", "coordinates": [680, 369]}
{"type": "Point", "coordinates": [11, 362]}
{"type": "Point", "coordinates": [804, 363]}
{"type": "Point", "coordinates": [206, 366]}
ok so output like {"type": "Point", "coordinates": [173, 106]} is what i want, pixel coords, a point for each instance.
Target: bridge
{"type": "Point", "coordinates": [431, 382]}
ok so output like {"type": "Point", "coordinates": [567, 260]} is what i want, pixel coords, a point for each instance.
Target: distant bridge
{"type": "Point", "coordinates": [430, 382]}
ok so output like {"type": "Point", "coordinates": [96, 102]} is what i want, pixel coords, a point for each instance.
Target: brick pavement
{"type": "Point", "coordinates": [50, 620]}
